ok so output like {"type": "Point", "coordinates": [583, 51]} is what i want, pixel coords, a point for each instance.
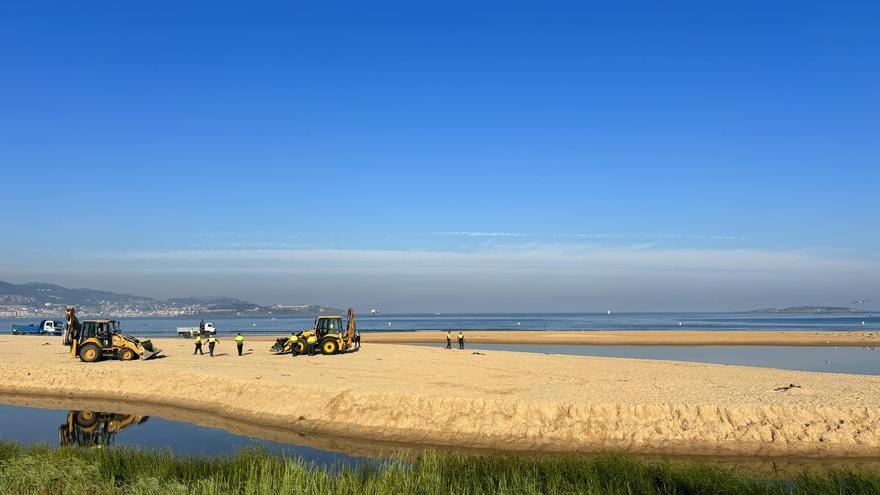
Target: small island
{"type": "Point", "coordinates": [808, 310]}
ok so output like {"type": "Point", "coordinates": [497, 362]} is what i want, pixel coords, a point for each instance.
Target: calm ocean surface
{"type": "Point", "coordinates": [525, 321]}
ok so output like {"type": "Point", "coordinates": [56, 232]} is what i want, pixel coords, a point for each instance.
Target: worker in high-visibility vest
{"type": "Point", "coordinates": [239, 342]}
{"type": "Point", "coordinates": [198, 346]}
{"type": "Point", "coordinates": [448, 340]}
{"type": "Point", "coordinates": [211, 342]}
{"type": "Point", "coordinates": [311, 342]}
{"type": "Point", "coordinates": [460, 340]}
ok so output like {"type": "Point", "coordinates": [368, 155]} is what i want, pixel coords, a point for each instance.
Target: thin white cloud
{"type": "Point", "coordinates": [482, 234]}
{"type": "Point", "coordinates": [596, 236]}
{"type": "Point", "coordinates": [542, 258]}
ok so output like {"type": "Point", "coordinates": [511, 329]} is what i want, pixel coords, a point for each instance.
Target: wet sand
{"type": "Point", "coordinates": [636, 337]}
{"type": "Point", "coordinates": [408, 395]}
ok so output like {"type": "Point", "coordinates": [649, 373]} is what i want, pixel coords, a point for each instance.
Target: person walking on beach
{"type": "Point", "coordinates": [448, 339]}
{"type": "Point", "coordinates": [460, 340]}
{"type": "Point", "coordinates": [212, 341]}
{"type": "Point", "coordinates": [310, 344]}
{"type": "Point", "coordinates": [239, 342]}
{"type": "Point", "coordinates": [198, 346]}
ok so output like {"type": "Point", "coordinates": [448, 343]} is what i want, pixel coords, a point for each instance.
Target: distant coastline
{"type": "Point", "coordinates": [809, 310]}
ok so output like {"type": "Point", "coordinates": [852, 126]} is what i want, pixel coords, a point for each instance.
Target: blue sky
{"type": "Point", "coordinates": [449, 156]}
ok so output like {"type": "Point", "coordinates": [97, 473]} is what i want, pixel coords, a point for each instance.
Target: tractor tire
{"type": "Point", "coordinates": [85, 419]}
{"type": "Point", "coordinates": [127, 354]}
{"type": "Point", "coordinates": [299, 347]}
{"type": "Point", "coordinates": [329, 347]}
{"type": "Point", "coordinates": [89, 353]}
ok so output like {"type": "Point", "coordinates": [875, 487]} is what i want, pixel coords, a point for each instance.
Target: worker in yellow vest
{"type": "Point", "coordinates": [211, 342]}
{"type": "Point", "coordinates": [311, 342]}
{"type": "Point", "coordinates": [460, 340]}
{"type": "Point", "coordinates": [239, 342]}
{"type": "Point", "coordinates": [198, 346]}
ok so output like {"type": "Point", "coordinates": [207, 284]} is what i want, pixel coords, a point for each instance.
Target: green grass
{"type": "Point", "coordinates": [45, 470]}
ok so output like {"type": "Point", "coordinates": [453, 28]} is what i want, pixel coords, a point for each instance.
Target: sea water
{"type": "Point", "coordinates": [283, 324]}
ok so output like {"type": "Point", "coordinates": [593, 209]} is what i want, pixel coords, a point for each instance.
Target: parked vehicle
{"type": "Point", "coordinates": [46, 327]}
{"type": "Point", "coordinates": [94, 340]}
{"type": "Point", "coordinates": [333, 336]}
{"type": "Point", "coordinates": [203, 329]}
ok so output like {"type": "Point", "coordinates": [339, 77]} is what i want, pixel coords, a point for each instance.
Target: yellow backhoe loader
{"type": "Point", "coordinates": [329, 331]}
{"type": "Point", "coordinates": [94, 429]}
{"type": "Point", "coordinates": [93, 340]}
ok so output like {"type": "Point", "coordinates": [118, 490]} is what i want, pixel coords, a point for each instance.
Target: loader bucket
{"type": "Point", "coordinates": [150, 354]}
{"type": "Point", "coordinates": [149, 351]}
{"type": "Point", "coordinates": [279, 345]}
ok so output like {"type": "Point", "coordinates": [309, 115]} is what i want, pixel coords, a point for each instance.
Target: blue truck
{"type": "Point", "coordinates": [46, 327]}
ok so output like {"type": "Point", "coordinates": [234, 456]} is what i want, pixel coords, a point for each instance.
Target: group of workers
{"type": "Point", "coordinates": [212, 342]}
{"type": "Point", "coordinates": [449, 339]}
{"type": "Point", "coordinates": [311, 343]}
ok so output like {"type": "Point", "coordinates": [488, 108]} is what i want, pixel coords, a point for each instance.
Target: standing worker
{"type": "Point", "coordinates": [357, 338]}
{"type": "Point", "coordinates": [448, 340]}
{"type": "Point", "coordinates": [460, 340]}
{"type": "Point", "coordinates": [198, 346]}
{"type": "Point", "coordinates": [239, 342]}
{"type": "Point", "coordinates": [310, 344]}
{"type": "Point", "coordinates": [211, 342]}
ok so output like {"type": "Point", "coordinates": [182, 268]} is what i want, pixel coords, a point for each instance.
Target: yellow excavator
{"type": "Point", "coordinates": [93, 340]}
{"type": "Point", "coordinates": [328, 330]}
{"type": "Point", "coordinates": [95, 429]}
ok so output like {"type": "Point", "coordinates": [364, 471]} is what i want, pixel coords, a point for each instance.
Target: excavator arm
{"type": "Point", "coordinates": [350, 329]}
{"type": "Point", "coordinates": [73, 329]}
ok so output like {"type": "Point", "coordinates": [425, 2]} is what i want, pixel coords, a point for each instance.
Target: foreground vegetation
{"type": "Point", "coordinates": [100, 471]}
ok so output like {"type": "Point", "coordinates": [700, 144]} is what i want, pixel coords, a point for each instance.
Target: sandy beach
{"type": "Point", "coordinates": [410, 395]}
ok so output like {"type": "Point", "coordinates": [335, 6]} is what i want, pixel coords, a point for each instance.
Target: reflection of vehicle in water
{"type": "Point", "coordinates": [95, 429]}
{"type": "Point", "coordinates": [331, 336]}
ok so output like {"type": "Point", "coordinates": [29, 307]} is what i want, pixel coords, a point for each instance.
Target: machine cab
{"type": "Point", "coordinates": [327, 324]}
{"type": "Point", "coordinates": [101, 329]}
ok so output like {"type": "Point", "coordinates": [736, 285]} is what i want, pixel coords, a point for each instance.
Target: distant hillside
{"type": "Point", "coordinates": [220, 303]}
{"type": "Point", "coordinates": [37, 293]}
{"type": "Point", "coordinates": [808, 309]}
{"type": "Point", "coordinates": [49, 297]}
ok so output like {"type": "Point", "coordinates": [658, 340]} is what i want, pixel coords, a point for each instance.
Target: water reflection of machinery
{"type": "Point", "coordinates": [95, 429]}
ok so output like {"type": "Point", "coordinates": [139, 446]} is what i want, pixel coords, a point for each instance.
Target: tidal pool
{"type": "Point", "coordinates": [96, 429]}
{"type": "Point", "coordinates": [853, 360]}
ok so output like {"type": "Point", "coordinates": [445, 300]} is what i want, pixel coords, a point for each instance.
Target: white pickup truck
{"type": "Point", "coordinates": [190, 332]}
